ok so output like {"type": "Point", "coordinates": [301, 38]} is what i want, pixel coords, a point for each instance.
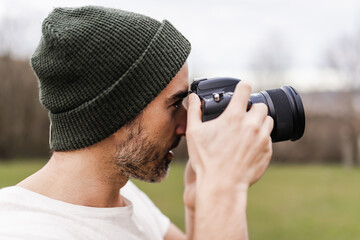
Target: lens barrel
{"type": "Point", "coordinates": [286, 108]}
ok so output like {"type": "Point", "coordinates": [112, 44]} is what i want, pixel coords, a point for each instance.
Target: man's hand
{"type": "Point", "coordinates": [228, 154]}
{"type": "Point", "coordinates": [236, 145]}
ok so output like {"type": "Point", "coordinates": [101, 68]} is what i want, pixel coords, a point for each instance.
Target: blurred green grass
{"type": "Point", "coordinates": [289, 202]}
{"type": "Point", "coordinates": [15, 170]}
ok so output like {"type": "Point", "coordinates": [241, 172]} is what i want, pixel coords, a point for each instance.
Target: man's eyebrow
{"type": "Point", "coordinates": [177, 96]}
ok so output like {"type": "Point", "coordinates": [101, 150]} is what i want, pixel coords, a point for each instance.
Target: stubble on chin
{"type": "Point", "coordinates": [138, 157]}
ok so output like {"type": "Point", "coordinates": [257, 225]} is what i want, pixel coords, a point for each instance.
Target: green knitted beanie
{"type": "Point", "coordinates": [98, 68]}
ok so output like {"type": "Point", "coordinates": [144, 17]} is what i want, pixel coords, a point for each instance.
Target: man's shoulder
{"type": "Point", "coordinates": [10, 193]}
{"type": "Point", "coordinates": [133, 193]}
{"type": "Point", "coordinates": [131, 187]}
{"type": "Point", "coordinates": [8, 189]}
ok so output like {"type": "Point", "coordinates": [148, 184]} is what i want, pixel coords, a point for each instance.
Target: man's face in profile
{"type": "Point", "coordinates": [145, 154]}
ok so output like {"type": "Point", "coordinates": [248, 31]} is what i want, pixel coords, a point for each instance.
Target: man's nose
{"type": "Point", "coordinates": [182, 119]}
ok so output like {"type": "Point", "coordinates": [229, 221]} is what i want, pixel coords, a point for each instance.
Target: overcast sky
{"type": "Point", "coordinates": [225, 35]}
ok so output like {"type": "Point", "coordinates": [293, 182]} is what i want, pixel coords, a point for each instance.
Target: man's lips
{"type": "Point", "coordinates": [170, 155]}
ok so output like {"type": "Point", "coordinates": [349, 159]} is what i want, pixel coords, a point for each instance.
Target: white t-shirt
{"type": "Point", "coordinates": [28, 215]}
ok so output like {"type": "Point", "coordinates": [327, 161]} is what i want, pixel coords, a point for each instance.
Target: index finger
{"type": "Point", "coordinates": [240, 99]}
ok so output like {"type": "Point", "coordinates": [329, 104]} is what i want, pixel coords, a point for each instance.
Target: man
{"type": "Point", "coordinates": [114, 82]}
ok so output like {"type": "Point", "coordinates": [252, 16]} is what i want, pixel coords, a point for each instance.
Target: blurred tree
{"type": "Point", "coordinates": [9, 29]}
{"type": "Point", "coordinates": [271, 62]}
{"type": "Point", "coordinates": [23, 122]}
{"type": "Point", "coordinates": [343, 57]}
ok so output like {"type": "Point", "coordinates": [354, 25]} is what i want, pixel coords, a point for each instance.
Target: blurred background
{"type": "Point", "coordinates": [311, 188]}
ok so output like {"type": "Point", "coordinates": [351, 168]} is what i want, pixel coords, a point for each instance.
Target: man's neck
{"type": "Point", "coordinates": [79, 177]}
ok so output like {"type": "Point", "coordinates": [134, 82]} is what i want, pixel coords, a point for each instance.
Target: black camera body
{"type": "Point", "coordinates": [284, 105]}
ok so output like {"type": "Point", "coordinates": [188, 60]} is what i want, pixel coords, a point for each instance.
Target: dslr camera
{"type": "Point", "coordinates": [284, 105]}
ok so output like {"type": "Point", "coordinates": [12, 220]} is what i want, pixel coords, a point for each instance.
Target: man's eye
{"type": "Point", "coordinates": [177, 104]}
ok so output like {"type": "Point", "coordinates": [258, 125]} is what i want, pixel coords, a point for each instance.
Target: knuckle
{"type": "Point", "coordinates": [271, 120]}
{"type": "Point", "coordinates": [252, 126]}
{"type": "Point", "coordinates": [188, 198]}
{"type": "Point", "coordinates": [265, 139]}
{"type": "Point", "coordinates": [270, 150]}
{"type": "Point", "coordinates": [230, 115]}
{"type": "Point", "coordinates": [233, 115]}
{"type": "Point", "coordinates": [235, 120]}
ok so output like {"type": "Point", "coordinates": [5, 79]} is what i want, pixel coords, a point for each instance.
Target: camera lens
{"type": "Point", "coordinates": [284, 105]}
{"type": "Point", "coordinates": [286, 108]}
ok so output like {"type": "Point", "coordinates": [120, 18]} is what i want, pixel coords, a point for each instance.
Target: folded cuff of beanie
{"type": "Point", "coordinates": [102, 116]}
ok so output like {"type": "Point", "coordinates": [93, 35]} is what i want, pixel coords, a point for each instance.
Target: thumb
{"type": "Point", "coordinates": [194, 111]}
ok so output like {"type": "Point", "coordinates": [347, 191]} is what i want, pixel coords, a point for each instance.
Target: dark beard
{"type": "Point", "coordinates": [140, 158]}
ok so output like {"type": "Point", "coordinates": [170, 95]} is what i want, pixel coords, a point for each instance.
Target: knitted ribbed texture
{"type": "Point", "coordinates": [98, 68]}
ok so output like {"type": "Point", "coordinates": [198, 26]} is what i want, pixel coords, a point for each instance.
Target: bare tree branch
{"type": "Point", "coordinates": [271, 62]}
